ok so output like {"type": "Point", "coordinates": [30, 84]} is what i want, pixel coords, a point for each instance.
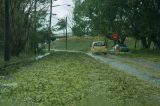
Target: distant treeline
{"type": "Point", "coordinates": [139, 19]}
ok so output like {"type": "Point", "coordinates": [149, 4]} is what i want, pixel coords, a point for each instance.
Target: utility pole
{"type": "Point", "coordinates": [66, 34]}
{"type": "Point", "coordinates": [35, 24]}
{"type": "Point", "coordinates": [7, 31]}
{"type": "Point", "coordinates": [50, 30]}
{"type": "Point", "coordinates": [35, 14]}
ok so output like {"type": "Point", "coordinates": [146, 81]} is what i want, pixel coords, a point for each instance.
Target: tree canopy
{"type": "Point", "coordinates": [61, 24]}
{"type": "Point", "coordinates": [135, 18]}
{"type": "Point", "coordinates": [27, 18]}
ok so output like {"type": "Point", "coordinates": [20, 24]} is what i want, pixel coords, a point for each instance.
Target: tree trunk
{"type": "Point", "coordinates": [135, 46]}
{"type": "Point", "coordinates": [145, 42]}
{"type": "Point", "coordinates": [123, 40]}
{"type": "Point", "coordinates": [7, 31]}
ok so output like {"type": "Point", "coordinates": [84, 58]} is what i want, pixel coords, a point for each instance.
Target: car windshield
{"type": "Point", "coordinates": [99, 44]}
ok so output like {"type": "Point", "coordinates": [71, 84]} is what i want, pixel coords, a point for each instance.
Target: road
{"type": "Point", "coordinates": [136, 67]}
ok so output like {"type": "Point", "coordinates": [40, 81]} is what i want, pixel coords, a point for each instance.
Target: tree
{"type": "Point", "coordinates": [81, 24]}
{"type": "Point", "coordinates": [7, 31]}
{"type": "Point", "coordinates": [135, 18]}
{"type": "Point", "coordinates": [61, 24]}
{"type": "Point", "coordinates": [25, 22]}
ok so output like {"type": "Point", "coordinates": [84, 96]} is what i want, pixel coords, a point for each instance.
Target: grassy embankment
{"type": "Point", "coordinates": [73, 79]}
{"type": "Point", "coordinates": [77, 43]}
{"type": "Point", "coordinates": [152, 55]}
{"type": "Point", "coordinates": [145, 54]}
{"type": "Point", "coordinates": [21, 57]}
{"type": "Point", "coordinates": [15, 62]}
{"type": "Point", "coordinates": [84, 44]}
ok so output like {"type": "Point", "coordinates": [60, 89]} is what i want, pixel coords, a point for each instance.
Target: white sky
{"type": "Point", "coordinates": [63, 11]}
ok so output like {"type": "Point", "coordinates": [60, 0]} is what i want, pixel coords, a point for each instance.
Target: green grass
{"type": "Point", "coordinates": [73, 79]}
{"type": "Point", "coordinates": [84, 43]}
{"type": "Point", "coordinates": [76, 43]}
{"type": "Point", "coordinates": [140, 53]}
{"type": "Point", "coordinates": [15, 62]}
{"type": "Point", "coordinates": [145, 54]}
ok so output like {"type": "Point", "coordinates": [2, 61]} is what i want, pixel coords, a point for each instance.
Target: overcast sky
{"type": "Point", "coordinates": [62, 11]}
